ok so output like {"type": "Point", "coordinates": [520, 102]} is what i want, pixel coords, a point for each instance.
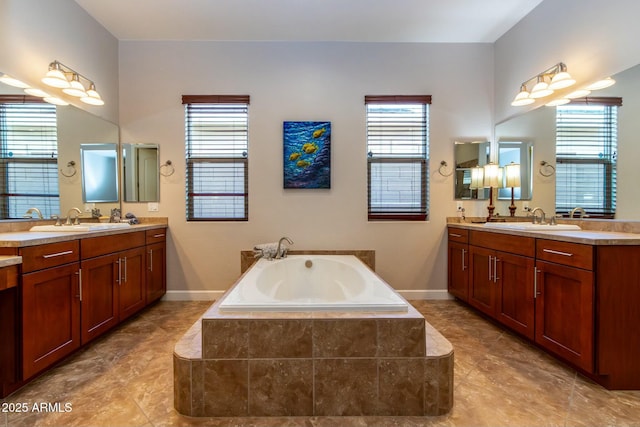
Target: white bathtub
{"type": "Point", "coordinates": [312, 283]}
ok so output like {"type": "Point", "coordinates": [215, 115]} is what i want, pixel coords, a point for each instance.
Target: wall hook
{"type": "Point", "coordinates": [71, 166]}
{"type": "Point", "coordinates": [443, 166]}
{"type": "Point", "coordinates": [169, 168]}
{"type": "Point", "coordinates": [546, 169]}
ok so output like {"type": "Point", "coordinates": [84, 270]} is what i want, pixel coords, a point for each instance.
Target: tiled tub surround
{"type": "Point", "coordinates": [312, 364]}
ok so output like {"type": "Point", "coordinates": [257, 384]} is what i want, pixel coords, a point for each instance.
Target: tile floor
{"type": "Point", "coordinates": [125, 379]}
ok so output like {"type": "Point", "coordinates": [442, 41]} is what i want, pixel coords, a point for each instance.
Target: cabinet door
{"type": "Point", "coordinates": [156, 271]}
{"type": "Point", "coordinates": [50, 317]}
{"type": "Point", "coordinates": [481, 279]}
{"type": "Point", "coordinates": [9, 340]}
{"type": "Point", "coordinates": [515, 294]}
{"type": "Point", "coordinates": [458, 276]}
{"type": "Point", "coordinates": [99, 296]}
{"type": "Point", "coordinates": [564, 312]}
{"type": "Point", "coordinates": [131, 286]}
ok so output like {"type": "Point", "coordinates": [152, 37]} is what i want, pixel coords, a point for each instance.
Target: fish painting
{"type": "Point", "coordinates": [307, 154]}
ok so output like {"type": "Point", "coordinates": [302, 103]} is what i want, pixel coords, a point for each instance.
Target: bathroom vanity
{"type": "Point", "coordinates": [573, 293]}
{"type": "Point", "coordinates": [71, 287]}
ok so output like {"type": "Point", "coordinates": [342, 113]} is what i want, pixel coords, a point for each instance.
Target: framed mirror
{"type": "Point", "coordinates": [468, 155]}
{"type": "Point", "coordinates": [519, 153]}
{"type": "Point", "coordinates": [140, 171]}
{"type": "Point", "coordinates": [99, 172]}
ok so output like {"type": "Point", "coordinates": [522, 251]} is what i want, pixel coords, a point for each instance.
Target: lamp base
{"type": "Point", "coordinates": [512, 210]}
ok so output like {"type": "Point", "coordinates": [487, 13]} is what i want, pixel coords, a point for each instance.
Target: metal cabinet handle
{"type": "Point", "coordinates": [495, 269]}
{"type": "Point", "coordinates": [464, 267]}
{"type": "Point", "coordinates": [57, 254]}
{"type": "Point", "coordinates": [119, 279]}
{"type": "Point", "coordinates": [125, 269]}
{"type": "Point", "coordinates": [450, 235]}
{"type": "Point", "coordinates": [79, 273]}
{"type": "Point", "coordinates": [162, 235]}
{"type": "Point", "coordinates": [151, 260]}
{"type": "Point", "coordinates": [535, 282]}
{"type": "Point", "coordinates": [551, 251]}
{"type": "Point", "coordinates": [490, 257]}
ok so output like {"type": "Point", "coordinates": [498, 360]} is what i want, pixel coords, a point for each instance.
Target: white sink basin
{"type": "Point", "coordinates": [82, 228]}
{"type": "Point", "coordinates": [527, 226]}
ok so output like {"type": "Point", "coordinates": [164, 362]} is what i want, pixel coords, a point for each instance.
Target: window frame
{"type": "Point", "coordinates": [420, 162]}
{"type": "Point", "coordinates": [606, 161]}
{"type": "Point", "coordinates": [192, 162]}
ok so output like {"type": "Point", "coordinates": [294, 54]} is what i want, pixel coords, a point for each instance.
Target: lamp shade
{"type": "Point", "coordinates": [477, 178]}
{"type": "Point", "coordinates": [601, 84]}
{"type": "Point", "coordinates": [492, 175]}
{"type": "Point", "coordinates": [55, 77]}
{"type": "Point", "coordinates": [541, 89]}
{"type": "Point", "coordinates": [561, 80]}
{"type": "Point", "coordinates": [75, 88]}
{"type": "Point", "coordinates": [8, 80]}
{"type": "Point", "coordinates": [522, 98]}
{"type": "Point", "coordinates": [512, 175]}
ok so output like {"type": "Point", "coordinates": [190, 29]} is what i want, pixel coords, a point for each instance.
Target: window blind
{"type": "Point", "coordinates": [216, 142]}
{"type": "Point", "coordinates": [28, 157]}
{"type": "Point", "coordinates": [586, 150]}
{"type": "Point", "coordinates": [397, 148]}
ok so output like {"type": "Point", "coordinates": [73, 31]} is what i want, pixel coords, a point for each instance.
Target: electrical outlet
{"type": "Point", "coordinates": [152, 207]}
{"type": "Point", "coordinates": [525, 207]}
{"type": "Point", "coordinates": [459, 206]}
{"type": "Point", "coordinates": [89, 206]}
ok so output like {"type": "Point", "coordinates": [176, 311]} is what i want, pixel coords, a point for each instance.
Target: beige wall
{"type": "Point", "coordinates": [304, 81]}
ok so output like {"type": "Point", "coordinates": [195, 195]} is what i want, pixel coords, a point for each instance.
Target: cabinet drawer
{"type": "Point", "coordinates": [8, 277]}
{"type": "Point", "coordinates": [49, 255]}
{"type": "Point", "coordinates": [519, 245]}
{"type": "Point", "coordinates": [156, 235]}
{"type": "Point", "coordinates": [97, 246]}
{"type": "Point", "coordinates": [459, 235]}
{"type": "Point", "coordinates": [565, 253]}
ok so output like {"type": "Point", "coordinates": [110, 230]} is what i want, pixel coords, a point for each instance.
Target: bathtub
{"type": "Point", "coordinates": [312, 283]}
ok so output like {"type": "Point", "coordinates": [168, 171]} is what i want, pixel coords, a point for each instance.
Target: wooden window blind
{"type": "Point", "coordinates": [28, 157]}
{"type": "Point", "coordinates": [216, 142]}
{"type": "Point", "coordinates": [586, 151]}
{"type": "Point", "coordinates": [398, 153]}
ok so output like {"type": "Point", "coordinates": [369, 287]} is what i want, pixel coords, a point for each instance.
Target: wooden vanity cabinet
{"type": "Point", "coordinates": [50, 304]}
{"type": "Point", "coordinates": [113, 281]}
{"type": "Point", "coordinates": [565, 301]}
{"type": "Point", "coordinates": [501, 278]}
{"type": "Point", "coordinates": [156, 274]}
{"type": "Point", "coordinates": [10, 323]}
{"type": "Point", "coordinates": [458, 263]}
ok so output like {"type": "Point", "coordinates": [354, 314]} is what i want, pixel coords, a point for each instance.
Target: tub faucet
{"type": "Point", "coordinates": [30, 212]}
{"type": "Point", "coordinates": [577, 209]}
{"type": "Point", "coordinates": [78, 212]}
{"type": "Point", "coordinates": [282, 254]}
{"type": "Point", "coordinates": [542, 217]}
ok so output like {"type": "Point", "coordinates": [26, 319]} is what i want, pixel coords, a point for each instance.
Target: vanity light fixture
{"type": "Point", "coordinates": [55, 101]}
{"type": "Point", "coordinates": [11, 81]}
{"type": "Point", "coordinates": [601, 84]}
{"type": "Point", "coordinates": [512, 179]}
{"type": "Point", "coordinates": [36, 92]}
{"type": "Point", "coordinates": [558, 78]}
{"type": "Point", "coordinates": [72, 83]}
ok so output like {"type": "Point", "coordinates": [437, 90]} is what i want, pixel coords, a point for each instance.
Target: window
{"type": "Point", "coordinates": [28, 156]}
{"type": "Point", "coordinates": [586, 150]}
{"type": "Point", "coordinates": [216, 142]}
{"type": "Point", "coordinates": [398, 152]}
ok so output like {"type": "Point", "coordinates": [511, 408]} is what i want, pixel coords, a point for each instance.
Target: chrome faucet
{"type": "Point", "coordinates": [282, 254]}
{"type": "Point", "coordinates": [30, 211]}
{"type": "Point", "coordinates": [542, 216]}
{"type": "Point", "coordinates": [76, 222]}
{"type": "Point", "coordinates": [577, 209]}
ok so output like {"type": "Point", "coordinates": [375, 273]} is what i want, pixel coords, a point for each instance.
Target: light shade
{"type": "Point", "coordinates": [601, 84]}
{"type": "Point", "coordinates": [75, 88]}
{"type": "Point", "coordinates": [477, 178]}
{"type": "Point", "coordinates": [578, 93]}
{"type": "Point", "coordinates": [492, 175]}
{"type": "Point", "coordinates": [561, 80]}
{"type": "Point", "coordinates": [92, 97]}
{"type": "Point", "coordinates": [55, 101]}
{"type": "Point", "coordinates": [556, 102]}
{"type": "Point", "coordinates": [512, 175]}
{"type": "Point", "coordinates": [55, 77]}
{"type": "Point", "coordinates": [36, 92]}
{"type": "Point", "coordinates": [8, 80]}
{"type": "Point", "coordinates": [541, 89]}
{"type": "Point", "coordinates": [522, 98]}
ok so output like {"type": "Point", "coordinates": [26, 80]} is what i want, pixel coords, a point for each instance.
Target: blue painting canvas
{"type": "Point", "coordinates": [307, 154]}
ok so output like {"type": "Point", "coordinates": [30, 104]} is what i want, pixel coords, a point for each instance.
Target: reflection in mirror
{"type": "Point", "coordinates": [99, 172]}
{"type": "Point", "coordinates": [520, 153]}
{"type": "Point", "coordinates": [467, 155]}
{"type": "Point", "coordinates": [140, 171]}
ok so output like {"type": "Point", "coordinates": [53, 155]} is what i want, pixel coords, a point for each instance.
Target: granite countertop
{"type": "Point", "coordinates": [9, 260]}
{"type": "Point", "coordinates": [33, 238]}
{"type": "Point", "coordinates": [589, 237]}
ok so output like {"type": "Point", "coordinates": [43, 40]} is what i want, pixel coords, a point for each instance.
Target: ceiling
{"type": "Point", "coordinates": [425, 21]}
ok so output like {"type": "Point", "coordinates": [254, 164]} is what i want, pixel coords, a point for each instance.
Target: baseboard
{"type": "Point", "coordinates": [424, 294]}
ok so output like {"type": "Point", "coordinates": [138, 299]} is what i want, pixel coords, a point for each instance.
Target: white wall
{"type": "Point", "coordinates": [33, 33]}
{"type": "Point", "coordinates": [304, 81]}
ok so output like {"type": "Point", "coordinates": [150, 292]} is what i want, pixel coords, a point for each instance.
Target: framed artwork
{"type": "Point", "coordinates": [307, 154]}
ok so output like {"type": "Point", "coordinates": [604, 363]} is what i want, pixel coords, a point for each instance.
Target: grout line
{"type": "Point", "coordinates": [570, 403]}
